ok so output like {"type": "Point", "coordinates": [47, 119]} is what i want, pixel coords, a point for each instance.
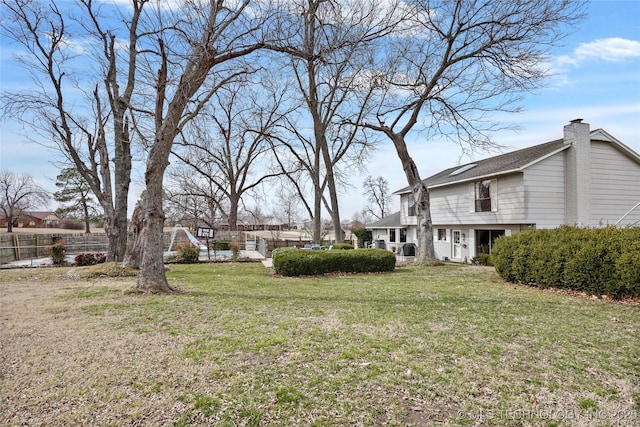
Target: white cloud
{"type": "Point", "coordinates": [613, 49]}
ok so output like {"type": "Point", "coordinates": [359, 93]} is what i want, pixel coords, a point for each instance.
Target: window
{"type": "Point", "coordinates": [411, 211]}
{"type": "Point", "coordinates": [403, 235]}
{"type": "Point", "coordinates": [392, 235]}
{"type": "Point", "coordinates": [483, 196]}
{"type": "Point", "coordinates": [485, 239]}
{"type": "Point", "coordinates": [442, 234]}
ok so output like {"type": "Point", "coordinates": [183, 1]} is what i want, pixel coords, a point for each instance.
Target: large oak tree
{"type": "Point", "coordinates": [198, 54]}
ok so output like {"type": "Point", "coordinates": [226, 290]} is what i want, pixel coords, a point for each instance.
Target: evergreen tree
{"type": "Point", "coordinates": [75, 194]}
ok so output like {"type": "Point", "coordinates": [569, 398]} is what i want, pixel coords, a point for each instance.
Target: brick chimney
{"type": "Point", "coordinates": [578, 173]}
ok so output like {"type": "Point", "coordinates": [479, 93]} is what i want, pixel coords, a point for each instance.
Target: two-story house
{"type": "Point", "coordinates": [588, 178]}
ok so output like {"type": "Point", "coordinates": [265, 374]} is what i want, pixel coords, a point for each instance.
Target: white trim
{"type": "Point", "coordinates": [455, 245]}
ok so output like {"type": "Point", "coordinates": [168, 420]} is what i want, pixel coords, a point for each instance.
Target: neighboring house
{"type": "Point", "coordinates": [588, 178]}
{"type": "Point", "coordinates": [33, 219]}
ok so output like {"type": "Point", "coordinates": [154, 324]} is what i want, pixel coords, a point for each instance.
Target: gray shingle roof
{"type": "Point", "coordinates": [392, 220]}
{"type": "Point", "coordinates": [496, 165]}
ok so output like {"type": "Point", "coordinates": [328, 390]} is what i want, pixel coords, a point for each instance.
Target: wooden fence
{"type": "Point", "coordinates": [19, 247]}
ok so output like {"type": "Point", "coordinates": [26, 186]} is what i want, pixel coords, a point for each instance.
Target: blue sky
{"type": "Point", "coordinates": [597, 78]}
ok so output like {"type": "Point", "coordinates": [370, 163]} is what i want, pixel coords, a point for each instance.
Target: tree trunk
{"type": "Point", "coordinates": [116, 229]}
{"type": "Point", "coordinates": [152, 278]}
{"type": "Point", "coordinates": [333, 193]}
{"type": "Point", "coordinates": [87, 225]}
{"type": "Point", "coordinates": [317, 215]}
{"type": "Point", "coordinates": [135, 247]}
{"type": "Point", "coordinates": [9, 218]}
{"type": "Point", "coordinates": [233, 213]}
{"type": "Point", "coordinates": [426, 249]}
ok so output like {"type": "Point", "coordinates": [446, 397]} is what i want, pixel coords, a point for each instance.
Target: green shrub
{"type": "Point", "coordinates": [602, 261]}
{"type": "Point", "coordinates": [58, 252]}
{"type": "Point", "coordinates": [628, 271]}
{"type": "Point", "coordinates": [481, 259]}
{"type": "Point", "coordinates": [220, 245]}
{"type": "Point", "coordinates": [87, 258]}
{"type": "Point", "coordinates": [187, 254]}
{"type": "Point", "coordinates": [502, 256]}
{"type": "Point", "coordinates": [296, 262]}
{"type": "Point", "coordinates": [281, 253]}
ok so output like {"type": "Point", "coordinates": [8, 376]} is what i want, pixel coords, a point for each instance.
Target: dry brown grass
{"type": "Point", "coordinates": [62, 367]}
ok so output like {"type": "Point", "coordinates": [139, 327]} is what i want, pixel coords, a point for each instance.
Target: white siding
{"type": "Point", "coordinates": [445, 249]}
{"type": "Point", "coordinates": [450, 204]}
{"type": "Point", "coordinates": [544, 184]}
{"type": "Point", "coordinates": [615, 185]}
{"type": "Point", "coordinates": [404, 209]}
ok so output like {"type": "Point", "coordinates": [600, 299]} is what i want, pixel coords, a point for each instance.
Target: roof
{"type": "Point", "coordinates": [39, 214]}
{"type": "Point", "coordinates": [34, 214]}
{"type": "Point", "coordinates": [514, 161]}
{"type": "Point", "coordinates": [392, 221]}
{"type": "Point", "coordinates": [497, 165]}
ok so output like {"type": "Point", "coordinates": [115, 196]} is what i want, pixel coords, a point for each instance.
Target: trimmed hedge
{"type": "Point", "coordinates": [598, 261]}
{"type": "Point", "coordinates": [298, 262]}
{"type": "Point", "coordinates": [342, 246]}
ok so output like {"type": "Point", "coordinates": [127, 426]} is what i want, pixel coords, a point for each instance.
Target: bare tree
{"type": "Point", "coordinates": [194, 197]}
{"type": "Point", "coordinates": [210, 37]}
{"type": "Point", "coordinates": [229, 147]}
{"type": "Point", "coordinates": [92, 133]}
{"type": "Point", "coordinates": [19, 193]}
{"type": "Point", "coordinates": [287, 206]}
{"type": "Point", "coordinates": [377, 192]}
{"type": "Point", "coordinates": [456, 63]}
{"type": "Point", "coordinates": [332, 44]}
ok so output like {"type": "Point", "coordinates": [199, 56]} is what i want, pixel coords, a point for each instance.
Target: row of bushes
{"type": "Point", "coordinates": [58, 254]}
{"type": "Point", "coordinates": [297, 262]}
{"type": "Point", "coordinates": [598, 261]}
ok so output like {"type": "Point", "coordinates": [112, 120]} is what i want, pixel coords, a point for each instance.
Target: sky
{"type": "Point", "coordinates": [596, 78]}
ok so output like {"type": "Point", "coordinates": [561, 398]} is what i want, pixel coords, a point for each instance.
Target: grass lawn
{"type": "Point", "coordinates": [449, 345]}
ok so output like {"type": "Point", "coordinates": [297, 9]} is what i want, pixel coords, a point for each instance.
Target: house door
{"type": "Point", "coordinates": [457, 245]}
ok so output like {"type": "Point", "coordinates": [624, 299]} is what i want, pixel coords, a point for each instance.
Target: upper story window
{"type": "Point", "coordinates": [411, 211]}
{"type": "Point", "coordinates": [483, 195]}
